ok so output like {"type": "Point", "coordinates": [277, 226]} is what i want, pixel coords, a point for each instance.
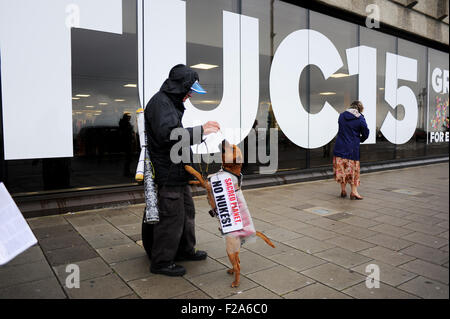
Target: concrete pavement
{"type": "Point", "coordinates": [323, 246]}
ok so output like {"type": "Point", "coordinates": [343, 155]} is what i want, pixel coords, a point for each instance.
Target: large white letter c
{"type": "Point", "coordinates": [298, 50]}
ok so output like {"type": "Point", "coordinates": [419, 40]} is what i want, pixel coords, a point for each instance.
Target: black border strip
{"type": "Point", "coordinates": [352, 17]}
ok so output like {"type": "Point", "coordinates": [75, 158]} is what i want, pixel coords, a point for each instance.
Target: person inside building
{"type": "Point", "coordinates": [173, 237]}
{"type": "Point", "coordinates": [353, 130]}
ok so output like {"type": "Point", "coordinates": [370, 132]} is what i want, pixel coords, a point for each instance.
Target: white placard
{"type": "Point", "coordinates": [15, 234]}
{"type": "Point", "coordinates": [226, 202]}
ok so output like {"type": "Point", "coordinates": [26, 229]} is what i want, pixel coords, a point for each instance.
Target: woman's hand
{"type": "Point", "coordinates": [211, 127]}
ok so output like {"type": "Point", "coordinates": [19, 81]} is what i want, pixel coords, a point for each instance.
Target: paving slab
{"type": "Point", "coordinates": [426, 253]}
{"type": "Point", "coordinates": [108, 239]}
{"type": "Point", "coordinates": [281, 234]}
{"type": "Point", "coordinates": [349, 243]}
{"type": "Point", "coordinates": [124, 218]}
{"type": "Point", "coordinates": [334, 276]}
{"type": "Point", "coordinates": [132, 269]}
{"type": "Point", "coordinates": [216, 249]}
{"type": "Point", "coordinates": [32, 254]}
{"type": "Point", "coordinates": [36, 223]}
{"type": "Point", "coordinates": [355, 232]}
{"type": "Point", "coordinates": [121, 252]}
{"type": "Point", "coordinates": [85, 219]}
{"type": "Point", "coordinates": [425, 288]}
{"type": "Point", "coordinates": [326, 223]}
{"type": "Point", "coordinates": [316, 291]}
{"type": "Point", "coordinates": [63, 241]}
{"type": "Point", "coordinates": [203, 236]}
{"type": "Point", "coordinates": [106, 287]}
{"type": "Point", "coordinates": [388, 256]}
{"type": "Point", "coordinates": [389, 274]}
{"type": "Point", "coordinates": [391, 230]}
{"type": "Point", "coordinates": [48, 288]}
{"type": "Point", "coordinates": [426, 240]}
{"type": "Point", "coordinates": [428, 270]}
{"type": "Point", "coordinates": [318, 233]}
{"type": "Point", "coordinates": [54, 231]}
{"type": "Point", "coordinates": [18, 274]}
{"type": "Point", "coordinates": [70, 255]}
{"type": "Point", "coordinates": [384, 291]}
{"type": "Point", "coordinates": [161, 287]}
{"type": "Point", "coordinates": [391, 220]}
{"type": "Point", "coordinates": [297, 260]}
{"type": "Point", "coordinates": [255, 293]}
{"type": "Point", "coordinates": [290, 224]}
{"type": "Point", "coordinates": [360, 222]}
{"type": "Point", "coordinates": [261, 248]}
{"type": "Point", "coordinates": [389, 242]}
{"type": "Point", "coordinates": [196, 294]}
{"type": "Point", "coordinates": [310, 245]}
{"type": "Point", "coordinates": [424, 228]}
{"type": "Point", "coordinates": [281, 280]}
{"type": "Point", "coordinates": [342, 257]}
{"type": "Point", "coordinates": [250, 262]}
{"type": "Point", "coordinates": [428, 220]}
{"type": "Point", "coordinates": [90, 268]}
{"type": "Point", "coordinates": [131, 229]}
{"type": "Point", "coordinates": [217, 284]}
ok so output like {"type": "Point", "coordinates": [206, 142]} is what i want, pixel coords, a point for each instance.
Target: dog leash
{"type": "Point", "coordinates": [204, 174]}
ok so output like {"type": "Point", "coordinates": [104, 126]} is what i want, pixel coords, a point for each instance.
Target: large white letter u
{"type": "Point", "coordinates": [237, 111]}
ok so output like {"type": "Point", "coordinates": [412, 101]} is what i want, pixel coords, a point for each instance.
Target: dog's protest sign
{"type": "Point", "coordinates": [226, 202]}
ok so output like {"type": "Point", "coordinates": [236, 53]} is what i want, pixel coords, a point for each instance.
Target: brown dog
{"type": "Point", "coordinates": [232, 163]}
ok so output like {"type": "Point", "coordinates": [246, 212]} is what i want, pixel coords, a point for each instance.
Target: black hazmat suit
{"type": "Point", "coordinates": [174, 234]}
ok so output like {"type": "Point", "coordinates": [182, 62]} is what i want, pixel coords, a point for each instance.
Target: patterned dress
{"type": "Point", "coordinates": [346, 171]}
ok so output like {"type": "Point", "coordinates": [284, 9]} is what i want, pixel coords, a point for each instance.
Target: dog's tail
{"type": "Point", "coordinates": [264, 237]}
{"type": "Point", "coordinates": [196, 174]}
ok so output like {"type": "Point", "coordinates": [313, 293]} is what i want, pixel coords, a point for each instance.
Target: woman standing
{"type": "Point", "coordinates": [352, 131]}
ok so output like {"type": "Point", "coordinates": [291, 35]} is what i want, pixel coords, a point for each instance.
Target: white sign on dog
{"type": "Point", "coordinates": [226, 202]}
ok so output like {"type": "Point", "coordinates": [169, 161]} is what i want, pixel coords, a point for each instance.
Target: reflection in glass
{"type": "Point", "coordinates": [104, 78]}
{"type": "Point", "coordinates": [383, 149]}
{"type": "Point", "coordinates": [340, 90]}
{"type": "Point", "coordinates": [438, 108]}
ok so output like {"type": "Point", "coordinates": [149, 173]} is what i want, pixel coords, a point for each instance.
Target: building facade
{"type": "Point", "coordinates": [73, 74]}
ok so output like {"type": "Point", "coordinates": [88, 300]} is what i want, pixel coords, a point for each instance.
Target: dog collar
{"type": "Point", "coordinates": [238, 177]}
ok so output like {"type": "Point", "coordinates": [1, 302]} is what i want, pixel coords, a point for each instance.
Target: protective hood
{"type": "Point", "coordinates": [181, 78]}
{"type": "Point", "coordinates": [351, 114]}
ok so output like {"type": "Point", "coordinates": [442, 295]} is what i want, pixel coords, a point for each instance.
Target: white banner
{"type": "Point", "coordinates": [226, 202]}
{"type": "Point", "coordinates": [15, 234]}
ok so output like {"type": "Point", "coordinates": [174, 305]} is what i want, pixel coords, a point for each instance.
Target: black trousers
{"type": "Point", "coordinates": [174, 234]}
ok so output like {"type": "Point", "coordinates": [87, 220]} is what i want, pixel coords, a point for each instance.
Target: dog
{"type": "Point", "coordinates": [232, 163]}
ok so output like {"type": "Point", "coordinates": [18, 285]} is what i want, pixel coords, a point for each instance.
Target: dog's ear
{"type": "Point", "coordinates": [224, 145]}
{"type": "Point", "coordinates": [237, 155]}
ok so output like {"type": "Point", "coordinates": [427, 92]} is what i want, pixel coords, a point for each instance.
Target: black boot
{"type": "Point", "coordinates": [195, 255]}
{"type": "Point", "coordinates": [172, 270]}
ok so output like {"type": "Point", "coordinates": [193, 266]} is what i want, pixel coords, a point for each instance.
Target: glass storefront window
{"type": "Point", "coordinates": [437, 124]}
{"type": "Point", "coordinates": [104, 104]}
{"type": "Point", "coordinates": [383, 149]}
{"type": "Point", "coordinates": [416, 146]}
{"type": "Point", "coordinates": [340, 90]}
{"type": "Point", "coordinates": [105, 94]}
{"type": "Point", "coordinates": [275, 23]}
